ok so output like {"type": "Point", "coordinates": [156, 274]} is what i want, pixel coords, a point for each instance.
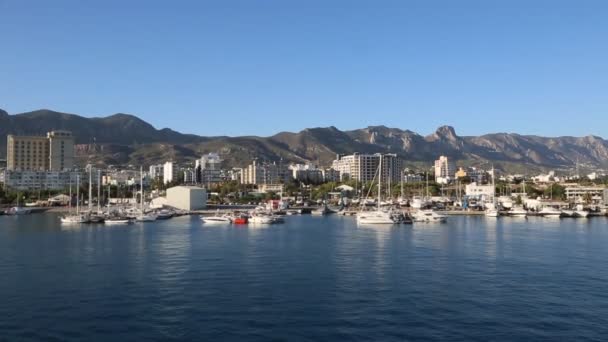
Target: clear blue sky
{"type": "Point", "coordinates": [263, 66]}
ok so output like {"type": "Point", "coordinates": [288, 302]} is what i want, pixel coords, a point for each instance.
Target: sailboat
{"type": "Point", "coordinates": [376, 216]}
{"type": "Point", "coordinates": [143, 217]}
{"type": "Point", "coordinates": [492, 211]}
{"type": "Point", "coordinates": [77, 217]}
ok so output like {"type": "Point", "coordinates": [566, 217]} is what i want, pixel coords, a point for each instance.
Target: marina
{"type": "Point", "coordinates": [303, 277]}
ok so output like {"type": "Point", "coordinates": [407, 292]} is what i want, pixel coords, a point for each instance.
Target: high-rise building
{"type": "Point", "coordinates": [61, 150]}
{"type": "Point", "coordinates": [208, 169]}
{"type": "Point", "coordinates": [55, 152]}
{"type": "Point", "coordinates": [169, 172]}
{"type": "Point", "coordinates": [268, 173]}
{"type": "Point", "coordinates": [444, 170]}
{"type": "Point", "coordinates": [364, 167]}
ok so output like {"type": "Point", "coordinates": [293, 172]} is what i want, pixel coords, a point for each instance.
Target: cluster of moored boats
{"type": "Point", "coordinates": [254, 217]}
{"type": "Point", "coordinates": [118, 216]}
{"type": "Point", "coordinates": [548, 211]}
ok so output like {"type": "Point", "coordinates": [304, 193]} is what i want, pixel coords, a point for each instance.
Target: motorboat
{"type": "Point", "coordinates": [492, 212]}
{"type": "Point", "coordinates": [164, 214]}
{"type": "Point", "coordinates": [517, 211]}
{"type": "Point", "coordinates": [216, 220]}
{"type": "Point", "coordinates": [568, 213]}
{"type": "Point", "coordinates": [374, 217]}
{"type": "Point", "coordinates": [75, 218]}
{"type": "Point", "coordinates": [580, 211]}
{"type": "Point", "coordinates": [428, 216]}
{"type": "Point", "coordinates": [143, 217]}
{"type": "Point", "coordinates": [549, 212]}
{"type": "Point", "coordinates": [18, 211]}
{"type": "Point", "coordinates": [117, 220]}
{"type": "Point", "coordinates": [264, 218]}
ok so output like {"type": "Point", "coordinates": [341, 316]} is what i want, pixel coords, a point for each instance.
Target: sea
{"type": "Point", "coordinates": [308, 279]}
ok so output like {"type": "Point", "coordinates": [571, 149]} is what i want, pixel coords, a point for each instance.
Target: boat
{"type": "Point", "coordinates": [18, 211]}
{"type": "Point", "coordinates": [117, 220]}
{"type": "Point", "coordinates": [293, 212]}
{"type": "Point", "coordinates": [549, 212]}
{"type": "Point", "coordinates": [428, 216]}
{"type": "Point", "coordinates": [264, 218]}
{"type": "Point", "coordinates": [164, 214]}
{"type": "Point", "coordinates": [376, 216]}
{"type": "Point", "coordinates": [580, 211]}
{"type": "Point", "coordinates": [492, 212]}
{"type": "Point", "coordinates": [568, 213]}
{"type": "Point", "coordinates": [517, 211]}
{"type": "Point", "coordinates": [149, 217]}
{"type": "Point", "coordinates": [142, 215]}
{"type": "Point", "coordinates": [240, 219]}
{"type": "Point", "coordinates": [75, 218]}
{"type": "Point", "coordinates": [217, 219]}
{"type": "Point", "coordinates": [324, 210]}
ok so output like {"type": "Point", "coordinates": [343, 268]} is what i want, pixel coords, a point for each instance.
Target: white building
{"type": "Point", "coordinates": [42, 180]}
{"type": "Point", "coordinates": [208, 169]}
{"type": "Point", "coordinates": [444, 170]}
{"type": "Point", "coordinates": [306, 173]}
{"type": "Point", "coordinates": [479, 191]}
{"type": "Point", "coordinates": [169, 172]}
{"type": "Point", "coordinates": [187, 197]}
{"type": "Point", "coordinates": [156, 171]}
{"type": "Point", "coordinates": [266, 173]}
{"type": "Point", "coordinates": [579, 193]}
{"type": "Point", "coordinates": [364, 167]}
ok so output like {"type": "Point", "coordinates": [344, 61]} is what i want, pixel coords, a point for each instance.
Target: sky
{"type": "Point", "coordinates": [257, 67]}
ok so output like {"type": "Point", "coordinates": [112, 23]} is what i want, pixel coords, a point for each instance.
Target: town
{"type": "Point", "coordinates": [40, 173]}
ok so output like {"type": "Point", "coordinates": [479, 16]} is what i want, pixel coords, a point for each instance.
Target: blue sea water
{"type": "Point", "coordinates": [310, 279]}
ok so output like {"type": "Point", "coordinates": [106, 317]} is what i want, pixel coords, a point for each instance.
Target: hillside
{"type": "Point", "coordinates": [122, 139]}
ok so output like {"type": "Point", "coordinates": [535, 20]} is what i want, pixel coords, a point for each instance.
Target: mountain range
{"type": "Point", "coordinates": [123, 139]}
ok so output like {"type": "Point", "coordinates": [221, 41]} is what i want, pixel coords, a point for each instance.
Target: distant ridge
{"type": "Point", "coordinates": [126, 139]}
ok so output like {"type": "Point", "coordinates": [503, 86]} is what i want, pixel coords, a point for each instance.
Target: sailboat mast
{"type": "Point", "coordinates": [77, 194]}
{"type": "Point", "coordinates": [90, 188]}
{"type": "Point", "coordinates": [379, 181]}
{"type": "Point", "coordinates": [98, 190]}
{"type": "Point", "coordinates": [141, 186]}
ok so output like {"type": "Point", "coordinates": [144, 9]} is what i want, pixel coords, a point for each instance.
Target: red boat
{"type": "Point", "coordinates": [240, 220]}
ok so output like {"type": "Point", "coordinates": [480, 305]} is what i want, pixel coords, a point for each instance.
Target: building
{"type": "Point", "coordinates": [331, 175]}
{"type": "Point", "coordinates": [208, 169]}
{"type": "Point", "coordinates": [169, 172]}
{"type": "Point", "coordinates": [364, 167]}
{"type": "Point", "coordinates": [55, 152]}
{"type": "Point", "coordinates": [42, 180]}
{"type": "Point", "coordinates": [306, 173]}
{"type": "Point", "coordinates": [276, 188]}
{"type": "Point", "coordinates": [444, 170]}
{"type": "Point", "coordinates": [479, 191]}
{"type": "Point", "coordinates": [156, 171]}
{"type": "Point", "coordinates": [266, 173]}
{"type": "Point", "coordinates": [187, 197]}
{"type": "Point", "coordinates": [580, 193]}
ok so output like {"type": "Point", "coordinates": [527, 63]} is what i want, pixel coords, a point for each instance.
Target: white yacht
{"type": "Point", "coordinates": [492, 212]}
{"type": "Point", "coordinates": [568, 213]}
{"type": "Point", "coordinates": [149, 217]}
{"type": "Point", "coordinates": [517, 211]}
{"type": "Point", "coordinates": [263, 218]}
{"type": "Point", "coordinates": [375, 217]}
{"type": "Point", "coordinates": [216, 219]}
{"type": "Point", "coordinates": [549, 212]}
{"type": "Point", "coordinates": [117, 220]}
{"type": "Point", "coordinates": [428, 216]}
{"type": "Point", "coordinates": [75, 218]}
